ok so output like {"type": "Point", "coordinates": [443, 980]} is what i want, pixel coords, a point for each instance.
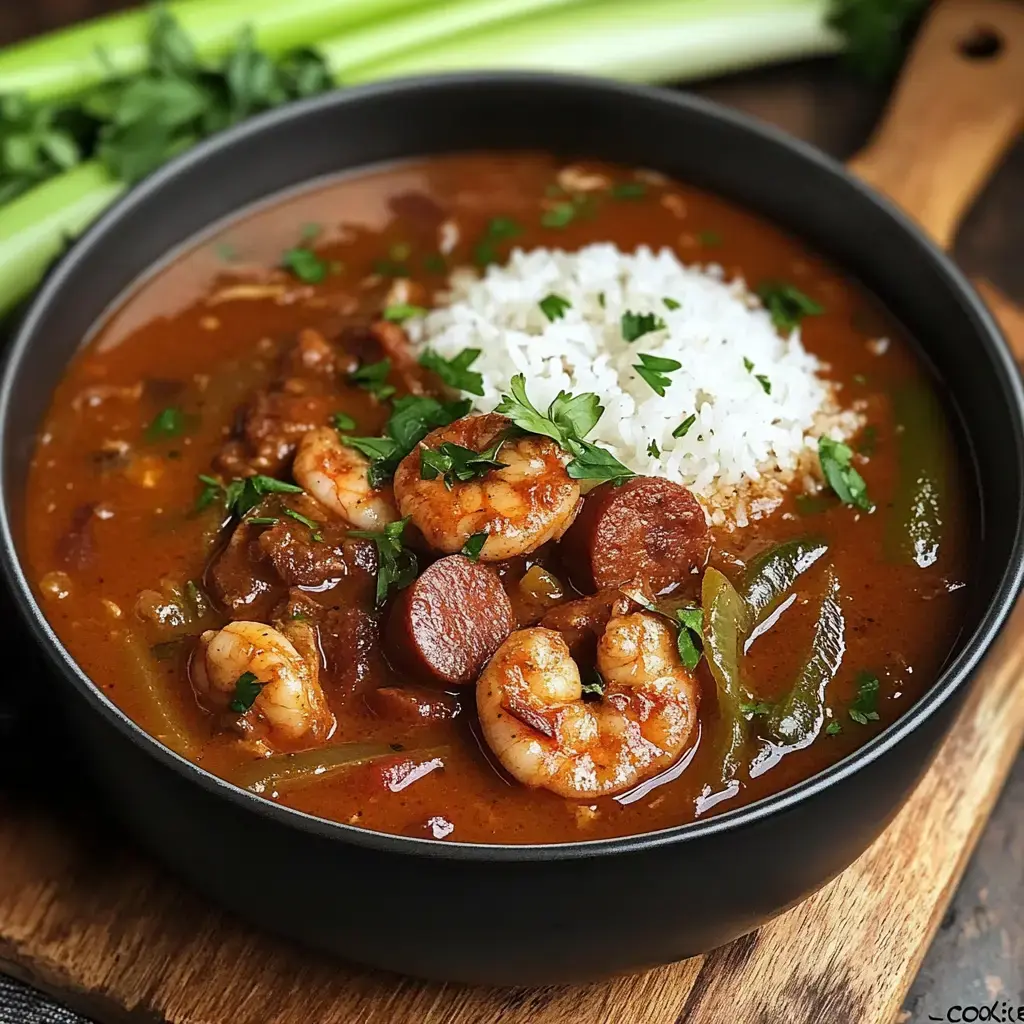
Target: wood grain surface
{"type": "Point", "coordinates": [113, 935]}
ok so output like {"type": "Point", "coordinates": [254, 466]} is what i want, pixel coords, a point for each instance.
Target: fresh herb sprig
{"type": "Point", "coordinates": [835, 458]}
{"type": "Point", "coordinates": [247, 689]}
{"type": "Point", "coordinates": [241, 494]}
{"type": "Point", "coordinates": [396, 564]}
{"type": "Point", "coordinates": [690, 639]}
{"type": "Point", "coordinates": [456, 464]}
{"type": "Point", "coordinates": [653, 369]}
{"type": "Point", "coordinates": [568, 420]}
{"type": "Point", "coordinates": [787, 305]}
{"type": "Point", "coordinates": [456, 372]}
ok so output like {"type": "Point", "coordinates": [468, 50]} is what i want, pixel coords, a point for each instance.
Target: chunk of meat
{"type": "Point", "coordinates": [302, 561]}
{"type": "Point", "coordinates": [241, 580]}
{"type": "Point", "coordinates": [582, 622]}
{"type": "Point", "coordinates": [75, 547]}
{"type": "Point", "coordinates": [646, 529]}
{"type": "Point", "coordinates": [312, 355]}
{"type": "Point", "coordinates": [413, 705]}
{"type": "Point", "coordinates": [445, 626]}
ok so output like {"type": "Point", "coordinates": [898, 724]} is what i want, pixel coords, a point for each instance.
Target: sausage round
{"type": "Point", "coordinates": [647, 529]}
{"type": "Point", "coordinates": [445, 626]}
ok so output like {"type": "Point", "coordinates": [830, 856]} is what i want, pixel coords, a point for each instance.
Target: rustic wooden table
{"type": "Point", "coordinates": [978, 956]}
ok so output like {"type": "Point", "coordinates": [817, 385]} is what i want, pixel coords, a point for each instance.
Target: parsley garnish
{"type": "Point", "coordinates": [671, 303]}
{"type": "Point", "coordinates": [499, 229]}
{"type": "Point", "coordinates": [342, 421]}
{"type": "Point", "coordinates": [456, 372]}
{"type": "Point", "coordinates": [594, 686]}
{"type": "Point", "coordinates": [262, 521]}
{"type": "Point", "coordinates": [247, 689]}
{"type": "Point", "coordinates": [684, 428]}
{"type": "Point", "coordinates": [569, 419]}
{"type": "Point", "coordinates": [690, 641]}
{"type": "Point", "coordinates": [312, 524]}
{"type": "Point", "coordinates": [848, 484]}
{"type": "Point", "coordinates": [629, 190]}
{"type": "Point", "coordinates": [653, 370]}
{"type": "Point", "coordinates": [412, 418]}
{"type": "Point", "coordinates": [472, 548]}
{"type": "Point", "coordinates": [460, 464]}
{"type": "Point", "coordinates": [305, 264]}
{"type": "Point", "coordinates": [786, 304]}
{"type": "Point", "coordinates": [653, 450]}
{"type": "Point", "coordinates": [371, 377]}
{"type": "Point", "coordinates": [765, 383]}
{"type": "Point", "coordinates": [560, 215]}
{"type": "Point", "coordinates": [399, 311]}
{"type": "Point", "coordinates": [864, 709]}
{"type": "Point", "coordinates": [242, 494]}
{"type": "Point", "coordinates": [554, 307]}
{"type": "Point", "coordinates": [397, 566]}
{"type": "Point", "coordinates": [636, 325]}
{"type": "Point", "coordinates": [754, 709]}
{"type": "Point", "coordinates": [833, 728]}
{"type": "Point", "coordinates": [169, 422]}
{"type": "Point", "coordinates": [434, 263]}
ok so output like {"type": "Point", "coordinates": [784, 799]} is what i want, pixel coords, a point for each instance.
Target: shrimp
{"type": "Point", "coordinates": [286, 666]}
{"type": "Point", "coordinates": [524, 504]}
{"type": "Point", "coordinates": [534, 718]}
{"type": "Point", "coordinates": [336, 476]}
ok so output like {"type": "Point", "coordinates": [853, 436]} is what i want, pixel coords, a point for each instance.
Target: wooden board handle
{"type": "Point", "coordinates": [957, 107]}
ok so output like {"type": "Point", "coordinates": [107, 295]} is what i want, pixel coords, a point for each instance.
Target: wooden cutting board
{"type": "Point", "coordinates": [111, 934]}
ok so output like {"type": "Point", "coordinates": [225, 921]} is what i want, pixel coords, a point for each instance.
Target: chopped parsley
{"type": "Point", "coordinates": [169, 422]}
{"type": "Point", "coordinates": [498, 230]}
{"type": "Point", "coordinates": [629, 190]}
{"type": "Point", "coordinates": [434, 263]}
{"type": "Point", "coordinates": [312, 524]}
{"type": "Point", "coordinates": [304, 264]}
{"type": "Point", "coordinates": [848, 484]}
{"type": "Point", "coordinates": [554, 307]}
{"type": "Point", "coordinates": [748, 364]}
{"type": "Point", "coordinates": [684, 428]}
{"type": "Point", "coordinates": [247, 689]}
{"type": "Point", "coordinates": [309, 231]}
{"type": "Point", "coordinates": [754, 709]}
{"type": "Point", "coordinates": [412, 418]}
{"type": "Point", "coordinates": [396, 564]}
{"type": "Point", "coordinates": [457, 464]}
{"type": "Point", "coordinates": [342, 421]}
{"type": "Point", "coordinates": [241, 495]}
{"type": "Point", "coordinates": [864, 709]}
{"type": "Point", "coordinates": [263, 521]}
{"type": "Point", "coordinates": [594, 686]}
{"type": "Point", "coordinates": [765, 383]}
{"type": "Point", "coordinates": [653, 369]}
{"type": "Point", "coordinates": [636, 325]}
{"type": "Point", "coordinates": [690, 640]}
{"type": "Point", "coordinates": [711, 239]}
{"type": "Point", "coordinates": [456, 372]}
{"type": "Point", "coordinates": [653, 450]}
{"type": "Point", "coordinates": [568, 421]}
{"type": "Point", "coordinates": [559, 216]}
{"type": "Point", "coordinates": [371, 377]}
{"type": "Point", "coordinates": [833, 728]}
{"type": "Point", "coordinates": [786, 304]}
{"type": "Point", "coordinates": [397, 312]}
{"type": "Point", "coordinates": [472, 548]}
{"type": "Point", "coordinates": [671, 303]}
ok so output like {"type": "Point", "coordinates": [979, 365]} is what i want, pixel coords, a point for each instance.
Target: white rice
{"type": "Point", "coordinates": [745, 444]}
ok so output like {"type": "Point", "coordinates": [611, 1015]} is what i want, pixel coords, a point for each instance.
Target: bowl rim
{"type": "Point", "coordinates": [952, 678]}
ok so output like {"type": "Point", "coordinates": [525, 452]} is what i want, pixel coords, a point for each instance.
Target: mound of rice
{"type": "Point", "coordinates": [751, 437]}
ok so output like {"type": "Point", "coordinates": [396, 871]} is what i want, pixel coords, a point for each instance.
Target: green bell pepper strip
{"type": "Point", "coordinates": [797, 719]}
{"type": "Point", "coordinates": [772, 574]}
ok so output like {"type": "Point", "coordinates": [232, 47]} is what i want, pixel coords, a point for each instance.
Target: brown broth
{"type": "Point", "coordinates": [177, 344]}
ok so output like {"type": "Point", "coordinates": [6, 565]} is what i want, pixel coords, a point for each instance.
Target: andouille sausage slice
{"type": "Point", "coordinates": [647, 529]}
{"type": "Point", "coordinates": [444, 627]}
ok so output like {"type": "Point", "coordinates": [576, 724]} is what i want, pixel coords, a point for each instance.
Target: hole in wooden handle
{"type": "Point", "coordinates": [982, 43]}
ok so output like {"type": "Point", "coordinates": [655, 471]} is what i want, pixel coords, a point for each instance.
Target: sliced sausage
{"type": "Point", "coordinates": [646, 529]}
{"type": "Point", "coordinates": [445, 626]}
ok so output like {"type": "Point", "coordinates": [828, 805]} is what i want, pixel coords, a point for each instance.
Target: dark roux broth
{"type": "Point", "coordinates": [109, 505]}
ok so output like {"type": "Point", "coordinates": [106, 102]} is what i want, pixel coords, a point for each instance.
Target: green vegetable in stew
{"type": "Point", "coordinates": [770, 576]}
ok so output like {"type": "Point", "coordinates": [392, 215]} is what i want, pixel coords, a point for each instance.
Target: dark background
{"type": "Point", "coordinates": [978, 954]}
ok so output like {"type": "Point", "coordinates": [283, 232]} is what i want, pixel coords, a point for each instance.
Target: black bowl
{"type": "Point", "coordinates": [525, 914]}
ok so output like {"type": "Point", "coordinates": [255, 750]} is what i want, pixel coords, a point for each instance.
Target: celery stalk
{"type": "Point", "coordinates": [639, 40]}
{"type": "Point", "coordinates": [81, 56]}
{"type": "Point", "coordinates": [35, 227]}
{"type": "Point", "coordinates": [381, 40]}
